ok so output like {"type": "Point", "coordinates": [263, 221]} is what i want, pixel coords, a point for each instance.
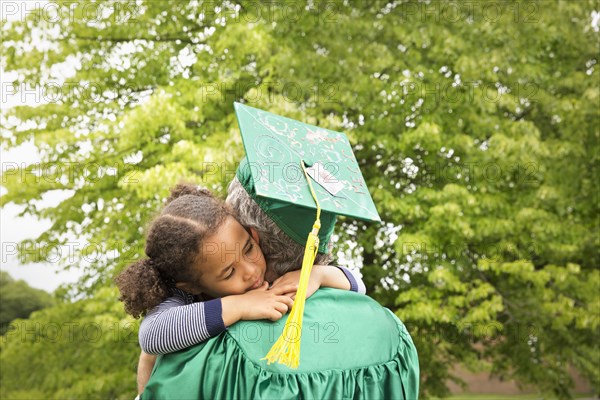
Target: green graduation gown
{"type": "Point", "coordinates": [352, 348]}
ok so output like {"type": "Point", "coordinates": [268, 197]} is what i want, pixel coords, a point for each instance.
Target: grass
{"type": "Point", "coordinates": [468, 396]}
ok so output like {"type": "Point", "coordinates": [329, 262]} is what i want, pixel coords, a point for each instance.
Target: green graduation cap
{"type": "Point", "coordinates": [272, 174]}
{"type": "Point", "coordinates": [283, 159]}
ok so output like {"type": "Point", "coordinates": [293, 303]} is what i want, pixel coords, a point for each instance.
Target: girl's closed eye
{"type": "Point", "coordinates": [249, 248]}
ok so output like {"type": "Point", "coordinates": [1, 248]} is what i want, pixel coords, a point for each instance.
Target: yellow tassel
{"type": "Point", "coordinates": [286, 349]}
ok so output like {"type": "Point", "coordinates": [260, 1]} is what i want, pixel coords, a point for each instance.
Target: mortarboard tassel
{"type": "Point", "coordinates": [286, 349]}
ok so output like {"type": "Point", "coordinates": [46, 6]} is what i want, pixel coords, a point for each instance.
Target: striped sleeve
{"type": "Point", "coordinates": [356, 282]}
{"type": "Point", "coordinates": [178, 323]}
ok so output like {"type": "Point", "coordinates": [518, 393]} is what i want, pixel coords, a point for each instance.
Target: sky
{"type": "Point", "coordinates": [13, 229]}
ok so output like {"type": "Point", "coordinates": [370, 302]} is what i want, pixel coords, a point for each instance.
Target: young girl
{"type": "Point", "coordinates": [204, 272]}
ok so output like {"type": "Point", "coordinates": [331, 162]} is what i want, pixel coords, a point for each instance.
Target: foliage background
{"type": "Point", "coordinates": [475, 125]}
{"type": "Point", "coordinates": [19, 300]}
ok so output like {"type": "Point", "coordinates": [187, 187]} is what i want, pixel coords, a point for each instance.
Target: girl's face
{"type": "Point", "coordinates": [230, 261]}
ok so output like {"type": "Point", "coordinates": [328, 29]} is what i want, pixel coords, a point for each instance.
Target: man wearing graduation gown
{"type": "Point", "coordinates": [351, 347]}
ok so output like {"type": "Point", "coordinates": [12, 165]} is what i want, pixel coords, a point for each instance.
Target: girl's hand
{"type": "Point", "coordinates": [293, 278]}
{"type": "Point", "coordinates": [260, 303]}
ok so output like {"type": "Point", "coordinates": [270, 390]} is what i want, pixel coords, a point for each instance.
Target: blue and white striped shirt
{"type": "Point", "coordinates": [181, 321]}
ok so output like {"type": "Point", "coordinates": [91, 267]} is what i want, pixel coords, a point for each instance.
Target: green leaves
{"type": "Point", "coordinates": [19, 300]}
{"type": "Point", "coordinates": [83, 349]}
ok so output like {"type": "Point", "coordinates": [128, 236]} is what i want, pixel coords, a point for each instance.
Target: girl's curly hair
{"type": "Point", "coordinates": [172, 246]}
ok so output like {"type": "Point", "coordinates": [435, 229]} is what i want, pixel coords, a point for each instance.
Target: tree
{"type": "Point", "coordinates": [19, 300]}
{"type": "Point", "coordinates": [87, 349]}
{"type": "Point", "coordinates": [475, 125]}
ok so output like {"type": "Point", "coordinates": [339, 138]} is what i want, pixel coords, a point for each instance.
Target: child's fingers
{"type": "Point", "coordinates": [289, 295]}
{"type": "Point", "coordinates": [287, 301]}
{"type": "Point", "coordinates": [286, 288]}
{"type": "Point", "coordinates": [276, 283]}
{"type": "Point", "coordinates": [275, 315]}
{"type": "Point", "coordinates": [281, 307]}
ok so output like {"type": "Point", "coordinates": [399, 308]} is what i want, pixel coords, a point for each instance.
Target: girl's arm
{"type": "Point", "coordinates": [352, 277]}
{"type": "Point", "coordinates": [145, 365]}
{"type": "Point", "coordinates": [178, 322]}
{"type": "Point", "coordinates": [323, 276]}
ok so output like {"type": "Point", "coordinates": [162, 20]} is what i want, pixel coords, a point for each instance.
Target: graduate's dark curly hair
{"type": "Point", "coordinates": [172, 247]}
